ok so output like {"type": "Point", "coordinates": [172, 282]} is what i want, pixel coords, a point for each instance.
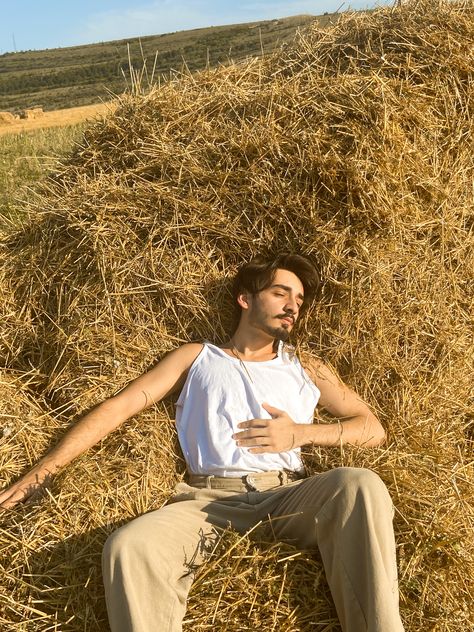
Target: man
{"type": "Point", "coordinates": [243, 412]}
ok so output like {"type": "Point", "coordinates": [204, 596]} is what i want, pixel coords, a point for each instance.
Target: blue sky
{"type": "Point", "coordinates": [36, 24]}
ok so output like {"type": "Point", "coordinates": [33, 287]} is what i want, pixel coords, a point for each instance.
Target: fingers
{"type": "Point", "coordinates": [8, 501]}
{"type": "Point", "coordinates": [251, 430]}
{"type": "Point", "coordinates": [263, 423]}
{"type": "Point", "coordinates": [259, 450]}
{"type": "Point", "coordinates": [259, 444]}
{"type": "Point", "coordinates": [253, 423]}
{"type": "Point", "coordinates": [254, 440]}
{"type": "Point", "coordinates": [23, 491]}
{"type": "Point", "coordinates": [258, 437]}
{"type": "Point", "coordinates": [266, 435]}
{"type": "Point", "coordinates": [274, 412]}
{"type": "Point", "coordinates": [256, 445]}
{"type": "Point", "coordinates": [252, 437]}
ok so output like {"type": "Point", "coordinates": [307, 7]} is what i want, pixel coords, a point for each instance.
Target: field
{"type": "Point", "coordinates": [28, 154]}
{"type": "Point", "coordinates": [56, 118]}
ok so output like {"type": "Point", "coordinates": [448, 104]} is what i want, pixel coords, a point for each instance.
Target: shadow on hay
{"type": "Point", "coordinates": [64, 582]}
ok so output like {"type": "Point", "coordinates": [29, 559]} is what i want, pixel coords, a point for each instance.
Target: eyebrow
{"type": "Point", "coordinates": [287, 288]}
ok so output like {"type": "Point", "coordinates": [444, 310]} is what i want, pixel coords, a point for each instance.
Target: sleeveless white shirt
{"type": "Point", "coordinates": [220, 392]}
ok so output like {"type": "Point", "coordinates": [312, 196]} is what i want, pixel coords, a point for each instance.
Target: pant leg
{"type": "Point", "coordinates": [148, 568]}
{"type": "Point", "coordinates": [149, 564]}
{"type": "Point", "coordinates": [347, 513]}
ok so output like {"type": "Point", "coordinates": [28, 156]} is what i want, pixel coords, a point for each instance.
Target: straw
{"type": "Point", "coordinates": [354, 146]}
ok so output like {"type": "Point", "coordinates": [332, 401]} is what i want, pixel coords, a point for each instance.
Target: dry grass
{"type": "Point", "coordinates": [55, 118]}
{"type": "Point", "coordinates": [354, 146]}
{"type": "Point", "coordinates": [26, 159]}
{"type": "Point", "coordinates": [6, 118]}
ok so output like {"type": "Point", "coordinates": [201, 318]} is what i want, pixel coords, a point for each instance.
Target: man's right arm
{"type": "Point", "coordinates": [165, 378]}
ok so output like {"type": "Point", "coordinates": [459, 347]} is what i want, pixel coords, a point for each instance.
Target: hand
{"type": "Point", "coordinates": [29, 487]}
{"type": "Point", "coordinates": [278, 434]}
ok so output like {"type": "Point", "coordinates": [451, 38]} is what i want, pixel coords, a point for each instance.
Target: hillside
{"type": "Point", "coordinates": [81, 75]}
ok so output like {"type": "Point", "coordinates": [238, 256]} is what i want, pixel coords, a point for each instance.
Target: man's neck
{"type": "Point", "coordinates": [252, 348]}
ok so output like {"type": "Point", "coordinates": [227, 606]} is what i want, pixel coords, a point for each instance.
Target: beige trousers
{"type": "Point", "coordinates": [346, 513]}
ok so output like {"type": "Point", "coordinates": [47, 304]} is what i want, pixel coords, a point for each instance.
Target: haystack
{"type": "Point", "coordinates": [354, 146]}
{"type": "Point", "coordinates": [32, 113]}
{"type": "Point", "coordinates": [6, 118]}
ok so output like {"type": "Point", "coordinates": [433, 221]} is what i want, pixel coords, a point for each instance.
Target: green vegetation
{"type": "Point", "coordinates": [25, 159]}
{"type": "Point", "coordinates": [81, 75]}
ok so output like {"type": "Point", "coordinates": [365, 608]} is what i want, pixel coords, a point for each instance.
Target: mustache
{"type": "Point", "coordinates": [287, 315]}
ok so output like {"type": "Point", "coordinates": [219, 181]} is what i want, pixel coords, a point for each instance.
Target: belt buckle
{"type": "Point", "coordinates": [249, 482]}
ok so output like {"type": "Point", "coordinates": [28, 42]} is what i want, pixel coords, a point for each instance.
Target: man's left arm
{"type": "Point", "coordinates": [354, 422]}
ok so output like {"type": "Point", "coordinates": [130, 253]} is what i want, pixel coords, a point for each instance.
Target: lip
{"type": "Point", "coordinates": [288, 319]}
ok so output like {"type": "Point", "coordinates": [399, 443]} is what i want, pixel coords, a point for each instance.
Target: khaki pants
{"type": "Point", "coordinates": [346, 513]}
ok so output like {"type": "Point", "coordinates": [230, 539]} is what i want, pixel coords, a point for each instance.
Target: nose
{"type": "Point", "coordinates": [291, 305]}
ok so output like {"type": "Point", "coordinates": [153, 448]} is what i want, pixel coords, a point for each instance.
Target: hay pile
{"type": "Point", "coordinates": [6, 118]}
{"type": "Point", "coordinates": [354, 145]}
{"type": "Point", "coordinates": [50, 552]}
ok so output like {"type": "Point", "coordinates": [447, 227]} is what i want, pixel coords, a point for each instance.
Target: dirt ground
{"type": "Point", "coordinates": [56, 118]}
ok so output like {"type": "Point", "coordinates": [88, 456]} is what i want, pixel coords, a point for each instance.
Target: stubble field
{"type": "Point", "coordinates": [31, 148]}
{"type": "Point", "coordinates": [56, 118]}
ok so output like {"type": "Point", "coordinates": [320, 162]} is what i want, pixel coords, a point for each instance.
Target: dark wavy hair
{"type": "Point", "coordinates": [258, 275]}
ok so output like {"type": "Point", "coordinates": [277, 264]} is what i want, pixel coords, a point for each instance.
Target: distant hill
{"type": "Point", "coordinates": [81, 75]}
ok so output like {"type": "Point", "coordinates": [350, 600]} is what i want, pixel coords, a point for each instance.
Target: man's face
{"type": "Point", "coordinates": [275, 309]}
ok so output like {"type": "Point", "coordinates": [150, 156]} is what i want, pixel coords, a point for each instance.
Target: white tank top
{"type": "Point", "coordinates": [220, 392]}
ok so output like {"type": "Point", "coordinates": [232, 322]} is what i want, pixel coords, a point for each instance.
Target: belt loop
{"type": "Point", "coordinates": [249, 482]}
{"type": "Point", "coordinates": [283, 476]}
{"type": "Point", "coordinates": [208, 481]}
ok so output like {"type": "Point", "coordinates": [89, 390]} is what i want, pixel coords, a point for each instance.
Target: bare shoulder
{"type": "Point", "coordinates": [190, 350]}
{"type": "Point", "coordinates": [184, 356]}
{"type": "Point", "coordinates": [320, 373]}
{"type": "Point", "coordinates": [336, 397]}
{"type": "Point", "coordinates": [167, 376]}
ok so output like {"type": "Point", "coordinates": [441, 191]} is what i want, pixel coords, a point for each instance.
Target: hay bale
{"type": "Point", "coordinates": [32, 113]}
{"type": "Point", "coordinates": [353, 145]}
{"type": "Point", "coordinates": [6, 118]}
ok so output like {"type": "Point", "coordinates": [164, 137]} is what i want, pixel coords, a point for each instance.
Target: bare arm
{"type": "Point", "coordinates": [166, 377]}
{"type": "Point", "coordinates": [355, 422]}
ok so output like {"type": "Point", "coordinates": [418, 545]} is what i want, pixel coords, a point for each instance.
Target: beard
{"type": "Point", "coordinates": [260, 319]}
{"type": "Point", "coordinates": [279, 333]}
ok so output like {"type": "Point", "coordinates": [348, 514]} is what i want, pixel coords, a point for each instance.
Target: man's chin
{"type": "Point", "coordinates": [282, 333]}
{"type": "Point", "coordinates": [279, 333]}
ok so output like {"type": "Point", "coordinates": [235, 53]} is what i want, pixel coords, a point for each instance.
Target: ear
{"type": "Point", "coordinates": [243, 299]}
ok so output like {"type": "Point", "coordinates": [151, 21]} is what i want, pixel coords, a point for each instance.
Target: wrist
{"type": "Point", "coordinates": [320, 434]}
{"type": "Point", "coordinates": [45, 468]}
{"type": "Point", "coordinates": [300, 435]}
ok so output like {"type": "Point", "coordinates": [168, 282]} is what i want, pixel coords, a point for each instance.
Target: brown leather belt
{"type": "Point", "coordinates": [256, 481]}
